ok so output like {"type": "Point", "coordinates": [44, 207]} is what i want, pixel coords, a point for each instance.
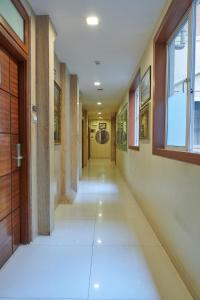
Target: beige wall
{"type": "Point", "coordinates": [113, 138]}
{"type": "Point", "coordinates": [169, 193]}
{"type": "Point", "coordinates": [57, 148]}
{"type": "Point", "coordinates": [85, 140]}
{"type": "Point", "coordinates": [45, 36]}
{"type": "Point", "coordinates": [99, 150]}
{"type": "Point", "coordinates": [61, 180]}
{"type": "Point", "coordinates": [75, 131]}
{"type": "Point", "coordinates": [32, 81]}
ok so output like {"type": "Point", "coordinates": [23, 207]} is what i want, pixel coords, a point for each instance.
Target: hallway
{"type": "Point", "coordinates": [102, 248]}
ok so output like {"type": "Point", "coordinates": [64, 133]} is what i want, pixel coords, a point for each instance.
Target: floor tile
{"type": "Point", "coordinates": [47, 272]}
{"type": "Point", "coordinates": [124, 232]}
{"type": "Point", "coordinates": [102, 245]}
{"type": "Point", "coordinates": [69, 232]}
{"type": "Point", "coordinates": [76, 212]}
{"type": "Point", "coordinates": [134, 273]}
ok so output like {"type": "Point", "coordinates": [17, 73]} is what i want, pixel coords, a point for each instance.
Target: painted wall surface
{"type": "Point", "coordinates": [62, 152]}
{"type": "Point", "coordinates": [85, 138]}
{"type": "Point", "coordinates": [168, 191]}
{"type": "Point", "coordinates": [75, 131]}
{"type": "Point", "coordinates": [57, 148]}
{"type": "Point", "coordinates": [99, 150]}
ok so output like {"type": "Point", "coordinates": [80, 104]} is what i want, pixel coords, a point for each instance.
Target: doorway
{"type": "Point", "coordinates": [14, 139]}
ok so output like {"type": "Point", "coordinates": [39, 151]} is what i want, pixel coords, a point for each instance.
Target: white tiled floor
{"type": "Point", "coordinates": [102, 248]}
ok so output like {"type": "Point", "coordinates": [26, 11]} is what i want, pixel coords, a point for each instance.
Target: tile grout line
{"type": "Point", "coordinates": [92, 254]}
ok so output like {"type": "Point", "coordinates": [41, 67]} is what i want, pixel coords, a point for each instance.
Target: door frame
{"type": "Point", "coordinates": [10, 42]}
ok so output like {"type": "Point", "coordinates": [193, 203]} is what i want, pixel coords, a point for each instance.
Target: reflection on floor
{"type": "Point", "coordinates": [102, 248]}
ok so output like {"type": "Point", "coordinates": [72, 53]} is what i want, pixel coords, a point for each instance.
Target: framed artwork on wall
{"type": "Point", "coordinates": [145, 87]}
{"type": "Point", "coordinates": [122, 129]}
{"type": "Point", "coordinates": [102, 126]}
{"type": "Point", "coordinates": [57, 113]}
{"type": "Point", "coordinates": [144, 123]}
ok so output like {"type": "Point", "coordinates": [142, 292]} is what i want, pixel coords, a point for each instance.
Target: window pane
{"type": "Point", "coordinates": [12, 16]}
{"type": "Point", "coordinates": [137, 111]}
{"type": "Point", "coordinates": [177, 88]}
{"type": "Point", "coordinates": [196, 139]}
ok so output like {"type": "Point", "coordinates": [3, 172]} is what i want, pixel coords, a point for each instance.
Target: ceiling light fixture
{"type": "Point", "coordinates": [99, 103]}
{"type": "Point", "coordinates": [92, 20]}
{"type": "Point", "coordinates": [97, 83]}
{"type": "Point", "coordinates": [96, 285]}
{"type": "Point", "coordinates": [99, 113]}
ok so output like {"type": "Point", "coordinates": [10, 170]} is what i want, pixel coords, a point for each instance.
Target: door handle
{"type": "Point", "coordinates": [18, 157]}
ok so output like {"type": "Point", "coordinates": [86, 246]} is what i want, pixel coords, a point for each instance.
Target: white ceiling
{"type": "Point", "coordinates": [118, 42]}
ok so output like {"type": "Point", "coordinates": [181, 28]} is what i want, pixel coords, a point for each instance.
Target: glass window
{"type": "Point", "coordinates": [196, 133]}
{"type": "Point", "coordinates": [137, 113]}
{"type": "Point", "coordinates": [177, 88]}
{"type": "Point", "coordinates": [9, 12]}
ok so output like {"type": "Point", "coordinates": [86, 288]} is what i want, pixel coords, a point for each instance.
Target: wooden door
{"type": "Point", "coordinates": [9, 171]}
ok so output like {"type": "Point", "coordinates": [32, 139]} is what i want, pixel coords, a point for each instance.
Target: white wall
{"type": "Point", "coordinates": [169, 193]}
{"type": "Point", "coordinates": [99, 150]}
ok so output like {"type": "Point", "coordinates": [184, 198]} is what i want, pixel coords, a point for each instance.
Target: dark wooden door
{"type": "Point", "coordinates": [9, 171]}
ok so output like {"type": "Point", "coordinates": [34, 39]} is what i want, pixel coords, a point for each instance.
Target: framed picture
{"type": "Point", "coordinates": [145, 88]}
{"type": "Point", "coordinates": [144, 123]}
{"type": "Point", "coordinates": [57, 113]}
{"type": "Point", "coordinates": [122, 129]}
{"type": "Point", "coordinates": [102, 126]}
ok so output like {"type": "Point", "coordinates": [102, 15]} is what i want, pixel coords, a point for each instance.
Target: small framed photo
{"type": "Point", "coordinates": [145, 88]}
{"type": "Point", "coordinates": [144, 122]}
{"type": "Point", "coordinates": [102, 126]}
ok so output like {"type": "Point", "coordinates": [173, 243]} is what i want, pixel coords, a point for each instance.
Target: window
{"type": "Point", "coordinates": [134, 111]}
{"type": "Point", "coordinates": [196, 114]}
{"type": "Point", "coordinates": [178, 75]}
{"type": "Point", "coordinates": [176, 122]}
{"type": "Point", "coordinates": [13, 17]}
{"type": "Point", "coordinates": [183, 110]}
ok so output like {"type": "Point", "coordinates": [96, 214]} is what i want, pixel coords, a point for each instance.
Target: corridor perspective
{"type": "Point", "coordinates": [102, 247]}
{"type": "Point", "coordinates": [99, 149]}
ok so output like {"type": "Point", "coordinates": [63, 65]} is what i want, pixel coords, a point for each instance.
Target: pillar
{"type": "Point", "coordinates": [45, 36]}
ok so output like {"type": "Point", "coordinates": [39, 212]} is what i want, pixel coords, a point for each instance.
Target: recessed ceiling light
{"type": "Point", "coordinates": [99, 103]}
{"type": "Point", "coordinates": [99, 113]}
{"type": "Point", "coordinates": [97, 83]}
{"type": "Point", "coordinates": [96, 285]}
{"type": "Point", "coordinates": [92, 20]}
